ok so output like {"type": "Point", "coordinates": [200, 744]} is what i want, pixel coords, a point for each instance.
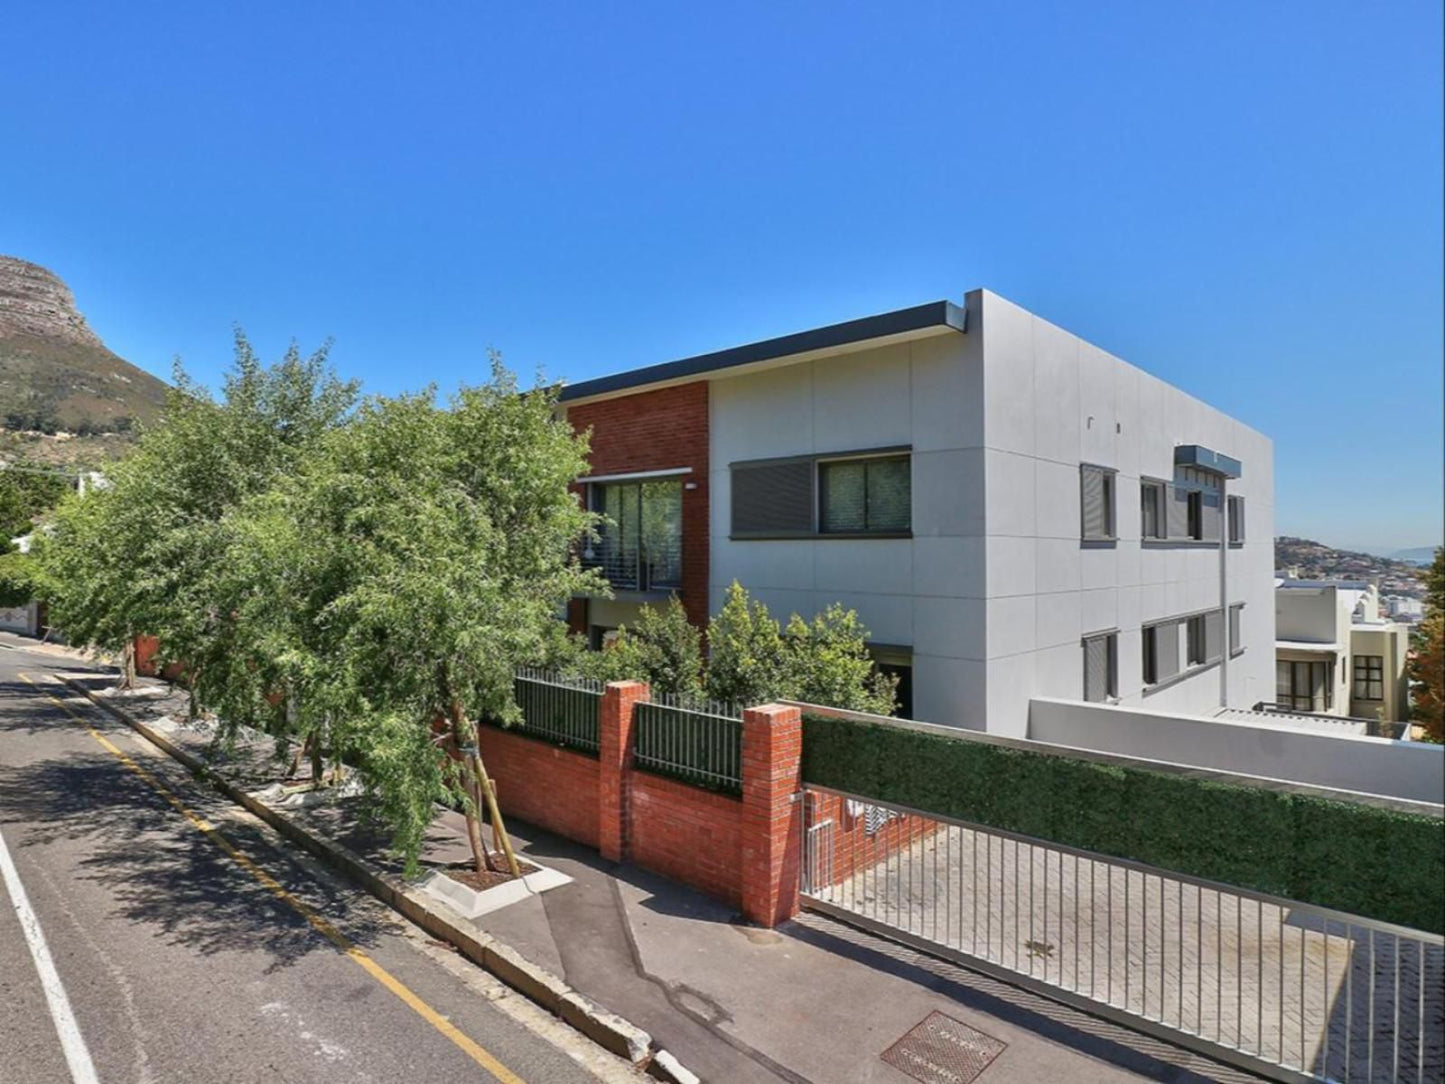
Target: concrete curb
{"type": "Point", "coordinates": [535, 983]}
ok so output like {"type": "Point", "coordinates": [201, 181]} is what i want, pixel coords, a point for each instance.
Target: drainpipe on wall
{"type": "Point", "coordinates": [1225, 647]}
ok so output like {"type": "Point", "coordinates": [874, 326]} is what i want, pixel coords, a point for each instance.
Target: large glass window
{"type": "Point", "coordinates": [865, 496]}
{"type": "Point", "coordinates": [1304, 686]}
{"type": "Point", "coordinates": [1369, 677]}
{"type": "Point", "coordinates": [641, 544]}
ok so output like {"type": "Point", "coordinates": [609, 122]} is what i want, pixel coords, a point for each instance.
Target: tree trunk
{"type": "Point", "coordinates": [464, 733]}
{"type": "Point", "coordinates": [127, 665]}
{"type": "Point", "coordinates": [301, 751]}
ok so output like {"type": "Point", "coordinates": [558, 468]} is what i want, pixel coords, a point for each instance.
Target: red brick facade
{"type": "Point", "coordinates": [660, 430]}
{"type": "Point", "coordinates": [553, 788]}
{"type": "Point", "coordinates": [746, 852]}
{"type": "Point", "coordinates": [688, 834]}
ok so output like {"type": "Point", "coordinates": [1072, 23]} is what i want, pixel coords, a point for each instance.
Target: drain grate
{"type": "Point", "coordinates": [942, 1050]}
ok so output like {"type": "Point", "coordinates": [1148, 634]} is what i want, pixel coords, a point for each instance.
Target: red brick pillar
{"type": "Point", "coordinates": [772, 813]}
{"type": "Point", "coordinates": [614, 755]}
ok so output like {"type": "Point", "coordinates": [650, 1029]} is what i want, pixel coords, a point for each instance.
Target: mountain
{"type": "Point", "coordinates": [56, 376]}
{"type": "Point", "coordinates": [1311, 560]}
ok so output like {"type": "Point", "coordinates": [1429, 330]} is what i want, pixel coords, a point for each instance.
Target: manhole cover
{"type": "Point", "coordinates": [941, 1050]}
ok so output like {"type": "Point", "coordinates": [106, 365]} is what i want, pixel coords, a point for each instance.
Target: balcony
{"type": "Point", "coordinates": [639, 546]}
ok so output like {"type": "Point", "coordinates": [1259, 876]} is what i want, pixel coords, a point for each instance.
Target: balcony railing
{"type": "Point", "coordinates": [655, 565]}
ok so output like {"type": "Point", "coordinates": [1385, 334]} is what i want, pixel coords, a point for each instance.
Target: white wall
{"type": "Point", "coordinates": [1053, 401]}
{"type": "Point", "coordinates": [22, 619]}
{"type": "Point", "coordinates": [1410, 770]}
{"type": "Point", "coordinates": [995, 590]}
{"type": "Point", "coordinates": [925, 592]}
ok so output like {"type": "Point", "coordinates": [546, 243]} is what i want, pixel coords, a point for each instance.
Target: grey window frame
{"type": "Point", "coordinates": [814, 461]}
{"type": "Point", "coordinates": [1109, 482]}
{"type": "Point", "coordinates": [1151, 656]}
{"type": "Point", "coordinates": [1236, 629]}
{"type": "Point", "coordinates": [1374, 675]}
{"type": "Point", "coordinates": [1110, 639]}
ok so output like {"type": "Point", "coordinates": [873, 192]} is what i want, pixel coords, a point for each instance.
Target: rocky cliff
{"type": "Point", "coordinates": [55, 373]}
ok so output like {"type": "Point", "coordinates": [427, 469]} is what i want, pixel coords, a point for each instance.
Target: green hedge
{"type": "Point", "coordinates": [1352, 857]}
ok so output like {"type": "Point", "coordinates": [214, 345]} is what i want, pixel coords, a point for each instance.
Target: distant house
{"type": "Point", "coordinates": [1335, 654]}
{"type": "Point", "coordinates": [1013, 512]}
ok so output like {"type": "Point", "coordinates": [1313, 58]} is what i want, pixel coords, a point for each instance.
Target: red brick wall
{"type": "Point", "coordinates": [688, 834]}
{"type": "Point", "coordinates": [853, 849]}
{"type": "Point", "coordinates": [659, 430]}
{"type": "Point", "coordinates": [553, 788]}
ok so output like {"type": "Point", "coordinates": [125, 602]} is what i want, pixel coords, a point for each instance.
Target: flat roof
{"type": "Point", "coordinates": [942, 315]}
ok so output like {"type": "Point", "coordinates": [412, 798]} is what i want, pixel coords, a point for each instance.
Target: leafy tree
{"type": "Point", "coordinates": [752, 660]}
{"type": "Point", "coordinates": [661, 648]}
{"type": "Point", "coordinates": [747, 658]}
{"type": "Point", "coordinates": [1427, 656]}
{"type": "Point", "coordinates": [424, 553]}
{"type": "Point", "coordinates": [827, 662]}
{"type": "Point", "coordinates": [26, 492]}
{"type": "Point", "coordinates": [17, 579]}
{"type": "Point", "coordinates": [150, 552]}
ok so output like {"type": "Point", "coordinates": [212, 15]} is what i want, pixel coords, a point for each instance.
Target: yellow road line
{"type": "Point", "coordinates": [471, 1048]}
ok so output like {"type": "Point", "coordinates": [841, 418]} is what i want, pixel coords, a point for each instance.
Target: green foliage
{"type": "Point", "coordinates": [153, 552]}
{"type": "Point", "coordinates": [661, 648]}
{"type": "Point", "coordinates": [1426, 664]}
{"type": "Point", "coordinates": [1353, 857]}
{"type": "Point", "coordinates": [406, 570]}
{"type": "Point", "coordinates": [26, 493]}
{"type": "Point", "coordinates": [746, 661]}
{"type": "Point", "coordinates": [17, 579]}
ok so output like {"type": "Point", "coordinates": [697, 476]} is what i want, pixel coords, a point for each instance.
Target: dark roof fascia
{"type": "Point", "coordinates": [900, 322]}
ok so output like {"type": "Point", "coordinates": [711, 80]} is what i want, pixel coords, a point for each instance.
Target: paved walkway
{"type": "Point", "coordinates": [812, 1001]}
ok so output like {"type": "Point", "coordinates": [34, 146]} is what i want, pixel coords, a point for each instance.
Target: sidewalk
{"type": "Point", "coordinates": [811, 1001]}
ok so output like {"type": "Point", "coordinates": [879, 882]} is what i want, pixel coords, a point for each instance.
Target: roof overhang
{"type": "Point", "coordinates": [1196, 455]}
{"type": "Point", "coordinates": [920, 321]}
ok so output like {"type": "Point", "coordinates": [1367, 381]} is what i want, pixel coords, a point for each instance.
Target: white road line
{"type": "Point", "coordinates": [76, 1055]}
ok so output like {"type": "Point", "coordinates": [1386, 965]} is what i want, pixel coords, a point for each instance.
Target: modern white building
{"type": "Point", "coordinates": [1012, 511]}
{"type": "Point", "coordinates": [1336, 654]}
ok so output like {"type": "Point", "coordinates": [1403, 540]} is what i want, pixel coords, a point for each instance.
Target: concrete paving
{"type": "Point", "coordinates": [178, 964]}
{"type": "Point", "coordinates": [1270, 980]}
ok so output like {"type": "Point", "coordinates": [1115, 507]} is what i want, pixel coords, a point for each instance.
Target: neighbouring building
{"type": "Point", "coordinates": [1013, 512]}
{"type": "Point", "coordinates": [1335, 654]}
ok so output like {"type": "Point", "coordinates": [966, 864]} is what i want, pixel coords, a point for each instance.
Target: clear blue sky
{"type": "Point", "coordinates": [1244, 199]}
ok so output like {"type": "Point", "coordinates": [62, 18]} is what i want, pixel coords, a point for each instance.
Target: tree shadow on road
{"type": "Point", "coordinates": [159, 871]}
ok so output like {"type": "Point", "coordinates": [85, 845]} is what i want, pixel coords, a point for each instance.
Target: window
{"type": "Point", "coordinates": [811, 496]}
{"type": "Point", "coordinates": [1236, 520]}
{"type": "Point", "coordinates": [1101, 667]}
{"type": "Point", "coordinates": [1369, 677]}
{"type": "Point", "coordinates": [1304, 686]}
{"type": "Point", "coordinates": [1196, 638]}
{"type": "Point", "coordinates": [773, 499]}
{"type": "Point", "coordinates": [1194, 504]}
{"type": "Point", "coordinates": [1236, 615]}
{"type": "Point", "coordinates": [1153, 517]}
{"type": "Point", "coordinates": [1161, 652]}
{"type": "Point", "coordinates": [640, 547]}
{"type": "Point", "coordinates": [1096, 492]}
{"type": "Point", "coordinates": [865, 496]}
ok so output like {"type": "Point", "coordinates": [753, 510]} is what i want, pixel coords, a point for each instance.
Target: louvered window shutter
{"type": "Point", "coordinates": [1166, 648]}
{"type": "Point", "coordinates": [1096, 669]}
{"type": "Point", "coordinates": [1093, 494]}
{"type": "Point", "coordinates": [1178, 512]}
{"type": "Point", "coordinates": [1213, 635]}
{"type": "Point", "coordinates": [773, 498]}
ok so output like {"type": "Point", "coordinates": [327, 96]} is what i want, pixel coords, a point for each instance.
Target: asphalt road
{"type": "Point", "coordinates": [174, 960]}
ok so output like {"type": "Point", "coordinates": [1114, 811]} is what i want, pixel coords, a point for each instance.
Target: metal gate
{"type": "Point", "coordinates": [1287, 989]}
